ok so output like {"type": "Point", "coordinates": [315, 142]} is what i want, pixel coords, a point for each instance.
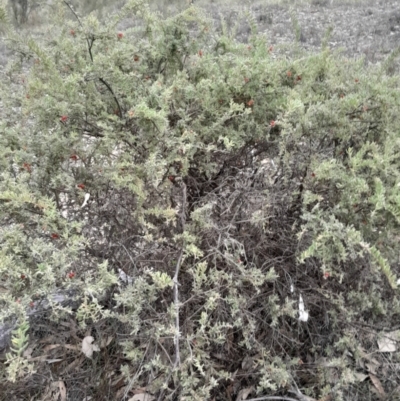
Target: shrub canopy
{"type": "Point", "coordinates": [180, 194]}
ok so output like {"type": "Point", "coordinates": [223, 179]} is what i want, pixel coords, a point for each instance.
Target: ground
{"type": "Point", "coordinates": [364, 28]}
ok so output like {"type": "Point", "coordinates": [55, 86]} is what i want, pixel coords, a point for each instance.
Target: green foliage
{"type": "Point", "coordinates": [222, 181]}
{"type": "Point", "coordinates": [18, 365]}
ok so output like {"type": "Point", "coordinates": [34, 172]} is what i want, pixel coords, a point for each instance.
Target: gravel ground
{"type": "Point", "coordinates": [368, 28]}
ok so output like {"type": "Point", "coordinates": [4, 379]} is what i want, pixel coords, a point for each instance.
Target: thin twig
{"type": "Point", "coordinates": [90, 45]}
{"type": "Point", "coordinates": [73, 12]}
{"type": "Point", "coordinates": [136, 375]}
{"type": "Point", "coordinates": [176, 278]}
{"type": "Point", "coordinates": [176, 291]}
{"type": "Point", "coordinates": [176, 303]}
{"type": "Point", "coordinates": [299, 394]}
{"type": "Point", "coordinates": [273, 397]}
{"type": "Point", "coordinates": [113, 95]}
{"type": "Point", "coordinates": [165, 351]}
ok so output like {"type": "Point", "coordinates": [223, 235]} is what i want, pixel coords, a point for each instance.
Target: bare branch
{"type": "Point", "coordinates": [90, 45]}
{"type": "Point", "coordinates": [273, 397]}
{"type": "Point", "coordinates": [176, 277]}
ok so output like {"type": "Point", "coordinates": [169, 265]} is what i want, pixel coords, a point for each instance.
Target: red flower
{"type": "Point", "coordinates": [171, 178]}
{"type": "Point", "coordinates": [23, 277]}
{"type": "Point", "coordinates": [250, 102]}
{"type": "Point", "coordinates": [271, 48]}
{"type": "Point", "coordinates": [63, 119]}
{"type": "Point", "coordinates": [27, 96]}
{"type": "Point", "coordinates": [246, 80]}
{"type": "Point", "coordinates": [74, 157]}
{"type": "Point", "coordinates": [27, 167]}
{"type": "Point", "coordinates": [31, 304]}
{"type": "Point", "coordinates": [55, 236]}
{"type": "Point", "coordinates": [72, 32]}
{"type": "Point", "coordinates": [135, 58]}
{"type": "Point", "coordinates": [120, 35]}
{"type": "Point", "coordinates": [272, 123]}
{"type": "Point", "coordinates": [298, 78]}
{"type": "Point", "coordinates": [81, 186]}
{"type": "Point", "coordinates": [356, 80]}
{"type": "Point", "coordinates": [71, 275]}
{"type": "Point", "coordinates": [289, 74]}
{"type": "Point", "coordinates": [200, 53]}
{"type": "Point", "coordinates": [312, 174]}
{"type": "Point", "coordinates": [326, 275]}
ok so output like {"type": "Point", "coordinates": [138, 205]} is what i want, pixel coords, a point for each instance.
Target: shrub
{"type": "Point", "coordinates": [190, 189]}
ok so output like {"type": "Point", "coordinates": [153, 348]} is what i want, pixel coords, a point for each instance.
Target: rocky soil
{"type": "Point", "coordinates": [365, 28]}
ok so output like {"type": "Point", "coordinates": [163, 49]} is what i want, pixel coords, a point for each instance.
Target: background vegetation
{"type": "Point", "coordinates": [188, 216]}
